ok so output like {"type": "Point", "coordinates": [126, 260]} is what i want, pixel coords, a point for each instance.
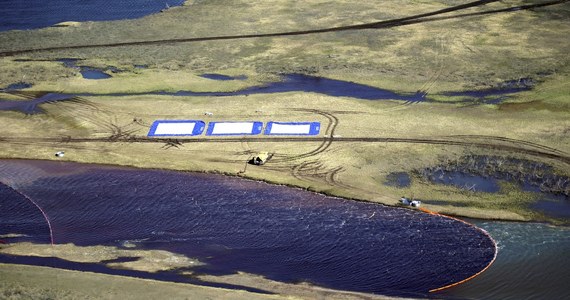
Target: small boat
{"type": "Point", "coordinates": [408, 202]}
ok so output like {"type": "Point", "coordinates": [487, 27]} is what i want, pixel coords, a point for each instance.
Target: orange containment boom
{"type": "Point", "coordinates": [476, 274]}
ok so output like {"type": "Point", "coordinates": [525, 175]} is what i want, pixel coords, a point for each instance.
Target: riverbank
{"type": "Point", "coordinates": [21, 281]}
{"type": "Point", "coordinates": [362, 142]}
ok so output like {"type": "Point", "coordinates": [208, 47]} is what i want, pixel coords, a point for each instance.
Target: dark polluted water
{"type": "Point", "coordinates": [32, 14]}
{"type": "Point", "coordinates": [32, 106]}
{"type": "Point", "coordinates": [16, 86]}
{"type": "Point", "coordinates": [232, 224]}
{"type": "Point", "coordinates": [93, 73]}
{"type": "Point", "coordinates": [290, 83]}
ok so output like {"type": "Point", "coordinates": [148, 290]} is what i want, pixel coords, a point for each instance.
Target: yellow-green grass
{"type": "Point", "coordinates": [452, 55]}
{"type": "Point", "coordinates": [143, 81]}
{"type": "Point", "coordinates": [550, 95]}
{"type": "Point", "coordinates": [147, 260]}
{"type": "Point", "coordinates": [33, 282]}
{"type": "Point", "coordinates": [471, 52]}
{"type": "Point", "coordinates": [356, 169]}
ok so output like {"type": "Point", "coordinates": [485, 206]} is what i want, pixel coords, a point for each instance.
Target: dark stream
{"type": "Point", "coordinates": [31, 106]}
{"type": "Point", "coordinates": [338, 88]}
{"type": "Point", "coordinates": [233, 224]}
{"type": "Point", "coordinates": [289, 83]}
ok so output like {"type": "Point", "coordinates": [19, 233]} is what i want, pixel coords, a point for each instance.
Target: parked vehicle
{"type": "Point", "coordinates": [408, 202]}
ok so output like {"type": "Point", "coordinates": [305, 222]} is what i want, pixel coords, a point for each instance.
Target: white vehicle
{"type": "Point", "coordinates": [408, 202]}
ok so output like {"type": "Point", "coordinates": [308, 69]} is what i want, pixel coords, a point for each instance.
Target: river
{"type": "Point", "coordinates": [233, 224]}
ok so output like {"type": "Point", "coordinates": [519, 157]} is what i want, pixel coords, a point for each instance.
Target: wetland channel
{"type": "Point", "coordinates": [289, 83]}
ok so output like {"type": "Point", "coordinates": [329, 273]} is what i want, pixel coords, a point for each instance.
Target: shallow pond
{"type": "Point", "coordinates": [31, 106]}
{"type": "Point", "coordinates": [17, 86]}
{"type": "Point", "coordinates": [398, 179]}
{"type": "Point", "coordinates": [87, 72]}
{"type": "Point", "coordinates": [233, 224]}
{"type": "Point", "coordinates": [466, 181]}
{"type": "Point", "coordinates": [485, 173]}
{"type": "Point", "coordinates": [93, 73]}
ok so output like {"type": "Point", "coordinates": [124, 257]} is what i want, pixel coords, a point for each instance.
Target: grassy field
{"type": "Point", "coordinates": [361, 142]}
{"type": "Point", "coordinates": [33, 282]}
{"type": "Point", "coordinates": [148, 261]}
{"type": "Point", "coordinates": [467, 51]}
{"type": "Point", "coordinates": [30, 282]}
{"type": "Point", "coordinates": [401, 138]}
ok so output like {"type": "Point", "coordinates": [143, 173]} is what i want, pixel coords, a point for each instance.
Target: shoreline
{"type": "Point", "coordinates": [309, 189]}
{"type": "Point", "coordinates": [62, 283]}
{"type": "Point", "coordinates": [87, 166]}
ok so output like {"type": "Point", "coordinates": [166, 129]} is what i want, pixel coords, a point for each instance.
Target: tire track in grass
{"type": "Point", "coordinates": [514, 141]}
{"type": "Point", "coordinates": [325, 144]}
{"type": "Point", "coordinates": [410, 20]}
{"type": "Point", "coordinates": [429, 141]}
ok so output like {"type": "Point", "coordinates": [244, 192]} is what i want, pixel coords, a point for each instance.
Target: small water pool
{"type": "Point", "coordinates": [214, 76]}
{"type": "Point", "coordinates": [466, 181]}
{"type": "Point", "coordinates": [17, 86]}
{"type": "Point", "coordinates": [398, 179]}
{"type": "Point", "coordinates": [93, 73]}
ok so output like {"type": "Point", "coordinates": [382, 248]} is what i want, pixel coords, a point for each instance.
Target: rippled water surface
{"type": "Point", "coordinates": [239, 225]}
{"type": "Point", "coordinates": [31, 14]}
{"type": "Point", "coordinates": [532, 263]}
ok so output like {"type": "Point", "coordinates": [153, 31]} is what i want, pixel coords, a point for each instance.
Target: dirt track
{"type": "Point", "coordinates": [415, 19]}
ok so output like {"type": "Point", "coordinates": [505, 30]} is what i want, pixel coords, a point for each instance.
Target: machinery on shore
{"type": "Point", "coordinates": [410, 202]}
{"type": "Point", "coordinates": [260, 158]}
